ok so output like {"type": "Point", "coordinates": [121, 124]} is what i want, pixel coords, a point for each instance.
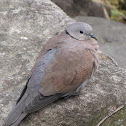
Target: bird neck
{"type": "Point", "coordinates": [70, 35]}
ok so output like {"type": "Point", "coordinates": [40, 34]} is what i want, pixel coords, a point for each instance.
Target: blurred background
{"type": "Point", "coordinates": [108, 19]}
{"type": "Point", "coordinates": [109, 9]}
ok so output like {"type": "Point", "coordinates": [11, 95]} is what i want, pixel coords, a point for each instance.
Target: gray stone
{"type": "Point", "coordinates": [84, 8]}
{"type": "Point", "coordinates": [68, 6]}
{"type": "Point", "coordinates": [24, 27]}
{"type": "Point", "coordinates": [111, 37]}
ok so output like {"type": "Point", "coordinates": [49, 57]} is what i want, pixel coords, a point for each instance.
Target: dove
{"type": "Point", "coordinates": [62, 68]}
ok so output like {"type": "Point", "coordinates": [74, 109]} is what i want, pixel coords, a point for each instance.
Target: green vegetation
{"type": "Point", "coordinates": [115, 15]}
{"type": "Point", "coordinates": [118, 10]}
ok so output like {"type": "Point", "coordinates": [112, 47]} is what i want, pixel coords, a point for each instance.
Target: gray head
{"type": "Point", "coordinates": [80, 31]}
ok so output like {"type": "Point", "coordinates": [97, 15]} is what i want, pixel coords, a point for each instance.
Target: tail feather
{"type": "Point", "coordinates": [16, 115]}
{"type": "Point", "coordinates": [21, 109]}
{"type": "Point", "coordinates": [20, 118]}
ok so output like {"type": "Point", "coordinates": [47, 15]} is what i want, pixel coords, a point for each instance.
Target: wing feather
{"type": "Point", "coordinates": [41, 101]}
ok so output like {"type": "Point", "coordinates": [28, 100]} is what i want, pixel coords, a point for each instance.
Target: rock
{"type": "Point", "coordinates": [68, 6]}
{"type": "Point", "coordinates": [111, 37]}
{"type": "Point", "coordinates": [24, 27]}
{"type": "Point", "coordinates": [84, 8]}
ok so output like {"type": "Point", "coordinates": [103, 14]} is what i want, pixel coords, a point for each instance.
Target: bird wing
{"type": "Point", "coordinates": [47, 47]}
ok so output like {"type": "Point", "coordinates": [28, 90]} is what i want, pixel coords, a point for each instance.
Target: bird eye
{"type": "Point", "coordinates": [81, 32]}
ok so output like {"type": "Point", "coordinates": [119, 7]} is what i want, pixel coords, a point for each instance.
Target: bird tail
{"type": "Point", "coordinates": [15, 122]}
{"type": "Point", "coordinates": [16, 115]}
{"type": "Point", "coordinates": [20, 110]}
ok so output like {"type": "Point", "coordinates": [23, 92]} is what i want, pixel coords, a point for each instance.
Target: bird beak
{"type": "Point", "coordinates": [92, 36]}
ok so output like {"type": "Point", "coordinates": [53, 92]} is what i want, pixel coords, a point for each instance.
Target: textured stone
{"type": "Point", "coordinates": [24, 27]}
{"type": "Point", "coordinates": [84, 8]}
{"type": "Point", "coordinates": [68, 6]}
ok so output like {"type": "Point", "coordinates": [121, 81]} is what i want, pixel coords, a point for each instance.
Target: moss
{"type": "Point", "coordinates": [115, 15]}
{"type": "Point", "coordinates": [117, 119]}
{"type": "Point", "coordinates": [97, 117]}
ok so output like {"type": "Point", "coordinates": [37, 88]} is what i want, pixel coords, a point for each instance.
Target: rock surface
{"type": "Point", "coordinates": [84, 8]}
{"type": "Point", "coordinates": [24, 27]}
{"type": "Point", "coordinates": [111, 37]}
{"type": "Point", "coordinates": [68, 6]}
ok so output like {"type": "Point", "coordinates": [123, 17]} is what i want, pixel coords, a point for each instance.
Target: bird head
{"type": "Point", "coordinates": [80, 31]}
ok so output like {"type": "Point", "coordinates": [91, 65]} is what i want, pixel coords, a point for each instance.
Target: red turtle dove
{"type": "Point", "coordinates": [63, 66]}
